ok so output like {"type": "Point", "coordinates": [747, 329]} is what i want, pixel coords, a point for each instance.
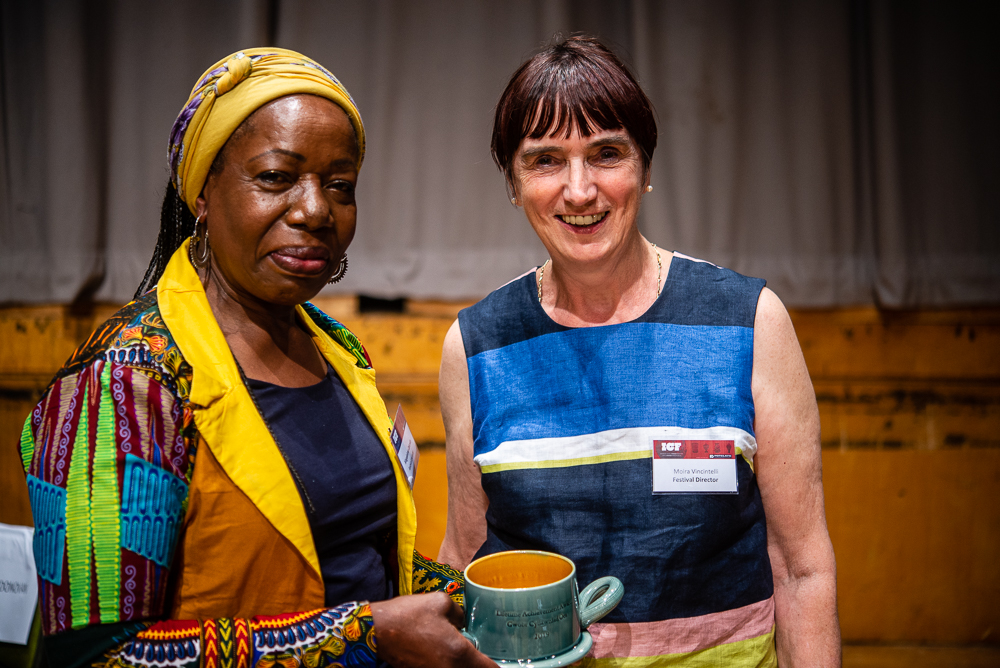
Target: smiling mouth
{"type": "Point", "coordinates": [583, 221]}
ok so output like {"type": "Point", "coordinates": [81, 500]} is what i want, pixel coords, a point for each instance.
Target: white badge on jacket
{"type": "Point", "coordinates": [694, 467]}
{"type": "Point", "coordinates": [406, 447]}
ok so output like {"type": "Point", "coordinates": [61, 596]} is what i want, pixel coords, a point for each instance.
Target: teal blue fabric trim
{"type": "Point", "coordinates": [48, 506]}
{"type": "Point", "coordinates": [152, 504]}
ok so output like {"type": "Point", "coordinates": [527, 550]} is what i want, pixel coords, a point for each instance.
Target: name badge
{"type": "Point", "coordinates": [406, 447]}
{"type": "Point", "coordinates": [694, 467]}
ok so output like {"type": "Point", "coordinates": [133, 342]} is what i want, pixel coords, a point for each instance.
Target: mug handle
{"type": "Point", "coordinates": [593, 608]}
{"type": "Point", "coordinates": [471, 638]}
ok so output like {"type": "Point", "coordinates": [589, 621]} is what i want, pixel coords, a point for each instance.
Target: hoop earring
{"type": "Point", "coordinates": [341, 270]}
{"type": "Point", "coordinates": [196, 238]}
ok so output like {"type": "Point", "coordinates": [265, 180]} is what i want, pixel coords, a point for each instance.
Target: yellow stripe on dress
{"type": "Point", "coordinates": [564, 463]}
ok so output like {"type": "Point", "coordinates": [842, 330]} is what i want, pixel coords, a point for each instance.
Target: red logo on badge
{"type": "Point", "coordinates": [682, 449]}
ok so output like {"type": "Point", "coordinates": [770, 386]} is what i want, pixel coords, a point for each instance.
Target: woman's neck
{"type": "Point", "coordinates": [266, 339]}
{"type": "Point", "coordinates": [613, 290]}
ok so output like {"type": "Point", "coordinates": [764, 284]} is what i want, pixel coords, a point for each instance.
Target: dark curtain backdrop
{"type": "Point", "coordinates": [846, 151]}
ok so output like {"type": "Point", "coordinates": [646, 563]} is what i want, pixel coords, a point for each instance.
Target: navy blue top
{"type": "Point", "coordinates": [345, 477]}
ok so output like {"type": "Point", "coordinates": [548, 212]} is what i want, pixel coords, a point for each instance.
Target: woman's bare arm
{"type": "Point", "coordinates": [788, 468]}
{"type": "Point", "coordinates": [467, 502]}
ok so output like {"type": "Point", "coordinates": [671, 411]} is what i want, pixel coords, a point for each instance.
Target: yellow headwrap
{"type": "Point", "coordinates": [231, 90]}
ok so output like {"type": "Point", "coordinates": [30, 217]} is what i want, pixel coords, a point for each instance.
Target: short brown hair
{"type": "Point", "coordinates": [577, 82]}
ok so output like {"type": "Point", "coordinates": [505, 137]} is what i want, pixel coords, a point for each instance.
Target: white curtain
{"type": "Point", "coordinates": [845, 151]}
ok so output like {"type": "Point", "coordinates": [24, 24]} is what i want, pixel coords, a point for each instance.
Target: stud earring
{"type": "Point", "coordinates": [649, 189]}
{"type": "Point", "coordinates": [513, 200]}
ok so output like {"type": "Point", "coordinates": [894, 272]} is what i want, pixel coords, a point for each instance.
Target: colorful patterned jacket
{"type": "Point", "coordinates": [168, 528]}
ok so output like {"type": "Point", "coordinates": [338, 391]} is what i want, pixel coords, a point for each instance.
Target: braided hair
{"type": "Point", "coordinates": [176, 224]}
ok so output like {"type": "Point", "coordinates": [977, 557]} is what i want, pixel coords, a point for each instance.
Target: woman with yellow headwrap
{"type": "Point", "coordinates": [211, 473]}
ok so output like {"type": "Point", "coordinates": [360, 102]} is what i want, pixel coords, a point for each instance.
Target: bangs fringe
{"type": "Point", "coordinates": [559, 104]}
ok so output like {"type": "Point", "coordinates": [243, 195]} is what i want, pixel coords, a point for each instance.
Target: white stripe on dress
{"type": "Point", "coordinates": [603, 446]}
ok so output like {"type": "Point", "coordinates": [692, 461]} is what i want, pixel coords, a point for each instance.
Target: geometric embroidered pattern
{"type": "Point", "coordinates": [48, 505]}
{"type": "Point", "coordinates": [429, 575]}
{"type": "Point", "coordinates": [341, 636]}
{"type": "Point", "coordinates": [152, 505]}
{"type": "Point", "coordinates": [173, 643]}
{"type": "Point", "coordinates": [340, 334]}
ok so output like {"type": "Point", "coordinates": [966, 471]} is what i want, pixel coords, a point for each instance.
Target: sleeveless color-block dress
{"type": "Point", "coordinates": [563, 424]}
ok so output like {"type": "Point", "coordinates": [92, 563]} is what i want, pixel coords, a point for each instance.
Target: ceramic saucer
{"type": "Point", "coordinates": [570, 656]}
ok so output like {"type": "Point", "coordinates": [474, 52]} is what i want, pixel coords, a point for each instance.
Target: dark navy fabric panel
{"type": "Point", "coordinates": [694, 293]}
{"type": "Point", "coordinates": [700, 293]}
{"type": "Point", "coordinates": [592, 379]}
{"type": "Point", "coordinates": [678, 555]}
{"type": "Point", "coordinates": [342, 469]}
{"type": "Point", "coordinates": [505, 316]}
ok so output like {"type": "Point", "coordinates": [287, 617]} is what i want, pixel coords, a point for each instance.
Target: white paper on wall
{"type": "Point", "coordinates": [18, 584]}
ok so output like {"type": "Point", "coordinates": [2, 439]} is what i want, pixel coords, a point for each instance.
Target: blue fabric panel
{"type": "Point", "coordinates": [153, 503]}
{"type": "Point", "coordinates": [587, 380]}
{"type": "Point", "coordinates": [678, 555]}
{"type": "Point", "coordinates": [694, 293]}
{"type": "Point", "coordinates": [48, 507]}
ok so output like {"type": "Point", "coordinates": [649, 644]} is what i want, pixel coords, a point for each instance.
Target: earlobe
{"type": "Point", "coordinates": [201, 207]}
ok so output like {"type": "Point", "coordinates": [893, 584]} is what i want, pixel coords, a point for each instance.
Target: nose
{"type": "Point", "coordinates": [579, 189]}
{"type": "Point", "coordinates": [310, 207]}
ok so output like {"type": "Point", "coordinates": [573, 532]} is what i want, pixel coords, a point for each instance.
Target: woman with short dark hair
{"type": "Point", "coordinates": [644, 413]}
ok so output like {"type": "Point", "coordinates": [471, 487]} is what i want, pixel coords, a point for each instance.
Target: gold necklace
{"type": "Point", "coordinates": [659, 271]}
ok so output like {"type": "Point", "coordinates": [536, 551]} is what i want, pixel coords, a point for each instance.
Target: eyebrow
{"type": "Point", "coordinates": [613, 140]}
{"type": "Point", "coordinates": [291, 154]}
{"type": "Point", "coordinates": [343, 163]}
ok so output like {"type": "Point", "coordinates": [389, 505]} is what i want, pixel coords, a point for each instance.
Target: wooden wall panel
{"type": "Point", "coordinates": [895, 656]}
{"type": "Point", "coordinates": [910, 413]}
{"type": "Point", "coordinates": [14, 408]}
{"type": "Point", "coordinates": [866, 343]}
{"type": "Point", "coordinates": [903, 414]}
{"type": "Point", "coordinates": [430, 494]}
{"type": "Point", "coordinates": [917, 537]}
{"type": "Point", "coordinates": [37, 340]}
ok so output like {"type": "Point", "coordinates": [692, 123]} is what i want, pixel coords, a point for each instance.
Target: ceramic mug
{"type": "Point", "coordinates": [524, 605]}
